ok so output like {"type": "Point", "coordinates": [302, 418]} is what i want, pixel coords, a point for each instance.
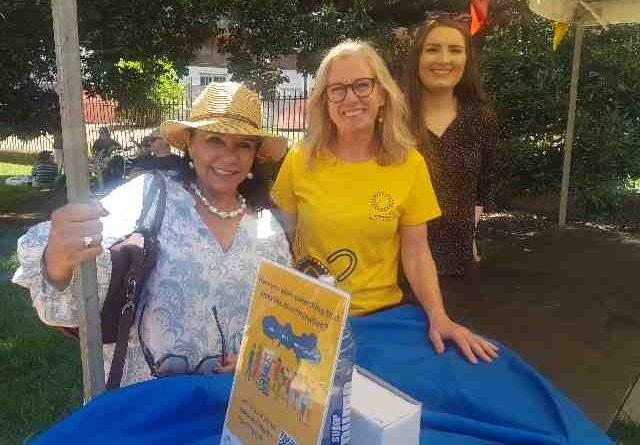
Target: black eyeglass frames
{"type": "Point", "coordinates": [362, 88]}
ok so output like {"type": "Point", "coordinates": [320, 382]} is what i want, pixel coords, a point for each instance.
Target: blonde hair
{"type": "Point", "coordinates": [393, 132]}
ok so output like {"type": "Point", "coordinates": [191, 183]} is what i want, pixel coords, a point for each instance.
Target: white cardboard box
{"type": "Point", "coordinates": [382, 414]}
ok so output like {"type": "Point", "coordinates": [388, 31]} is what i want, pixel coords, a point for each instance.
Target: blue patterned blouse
{"type": "Point", "coordinates": [193, 275]}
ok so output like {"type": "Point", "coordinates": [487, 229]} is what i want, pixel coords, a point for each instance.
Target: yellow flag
{"type": "Point", "coordinates": [559, 31]}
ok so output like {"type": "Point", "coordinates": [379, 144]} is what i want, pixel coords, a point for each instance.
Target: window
{"type": "Point", "coordinates": [206, 79]}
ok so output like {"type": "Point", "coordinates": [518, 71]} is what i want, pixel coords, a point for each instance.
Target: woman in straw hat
{"type": "Point", "coordinates": [358, 197]}
{"type": "Point", "coordinates": [215, 228]}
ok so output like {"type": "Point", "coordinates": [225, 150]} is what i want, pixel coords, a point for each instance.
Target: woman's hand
{"type": "Point", "coordinates": [229, 364]}
{"type": "Point", "coordinates": [75, 236]}
{"type": "Point", "coordinates": [476, 257]}
{"type": "Point", "coordinates": [477, 210]}
{"type": "Point", "coordinates": [472, 346]}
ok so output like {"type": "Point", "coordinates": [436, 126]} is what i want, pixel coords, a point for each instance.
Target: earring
{"type": "Point", "coordinates": [381, 115]}
{"type": "Point", "coordinates": [191, 166]}
{"type": "Point", "coordinates": [250, 175]}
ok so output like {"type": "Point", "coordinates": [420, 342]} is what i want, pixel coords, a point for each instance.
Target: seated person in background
{"type": "Point", "coordinates": [105, 145]}
{"type": "Point", "coordinates": [105, 159]}
{"type": "Point", "coordinates": [45, 171]}
{"type": "Point", "coordinates": [157, 156]}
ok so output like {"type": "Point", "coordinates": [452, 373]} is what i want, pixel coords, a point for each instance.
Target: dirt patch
{"type": "Point", "coordinates": [566, 300]}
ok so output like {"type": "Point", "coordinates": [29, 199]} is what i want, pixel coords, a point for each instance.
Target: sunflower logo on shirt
{"type": "Point", "coordinates": [382, 207]}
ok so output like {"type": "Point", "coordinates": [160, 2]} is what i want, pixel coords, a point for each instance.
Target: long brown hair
{"type": "Point", "coordinates": [468, 90]}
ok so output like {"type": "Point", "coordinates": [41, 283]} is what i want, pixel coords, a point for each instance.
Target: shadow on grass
{"type": "Point", "coordinates": [14, 197]}
{"type": "Point", "coordinates": [40, 368]}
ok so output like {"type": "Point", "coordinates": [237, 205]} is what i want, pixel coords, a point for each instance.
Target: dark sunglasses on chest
{"type": "Point", "coordinates": [173, 364]}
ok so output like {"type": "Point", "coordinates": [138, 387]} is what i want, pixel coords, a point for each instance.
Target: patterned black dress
{"type": "Point", "coordinates": [461, 164]}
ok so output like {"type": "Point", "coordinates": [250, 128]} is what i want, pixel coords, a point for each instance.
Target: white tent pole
{"type": "Point", "coordinates": [76, 167]}
{"type": "Point", "coordinates": [595, 15]}
{"type": "Point", "coordinates": [571, 123]}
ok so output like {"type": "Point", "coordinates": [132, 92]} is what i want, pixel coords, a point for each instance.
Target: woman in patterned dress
{"type": "Point", "coordinates": [456, 132]}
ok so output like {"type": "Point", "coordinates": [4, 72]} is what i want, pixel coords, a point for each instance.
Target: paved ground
{"type": "Point", "coordinates": [568, 302]}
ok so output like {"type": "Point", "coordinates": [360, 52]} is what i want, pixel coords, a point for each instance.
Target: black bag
{"type": "Point", "coordinates": [132, 258]}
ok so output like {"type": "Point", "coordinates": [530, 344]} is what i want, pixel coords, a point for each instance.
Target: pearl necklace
{"type": "Point", "coordinates": [214, 210]}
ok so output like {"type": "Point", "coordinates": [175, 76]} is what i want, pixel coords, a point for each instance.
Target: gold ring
{"type": "Point", "coordinates": [88, 241]}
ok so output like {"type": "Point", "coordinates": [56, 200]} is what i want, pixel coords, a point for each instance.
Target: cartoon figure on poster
{"type": "Point", "coordinates": [265, 368]}
{"type": "Point", "coordinates": [272, 378]}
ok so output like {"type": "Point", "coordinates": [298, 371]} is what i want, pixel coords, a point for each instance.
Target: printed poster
{"type": "Point", "coordinates": [287, 360]}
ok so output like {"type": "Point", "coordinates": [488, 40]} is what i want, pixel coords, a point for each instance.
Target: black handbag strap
{"type": "Point", "coordinates": [158, 187]}
{"type": "Point", "coordinates": [141, 264]}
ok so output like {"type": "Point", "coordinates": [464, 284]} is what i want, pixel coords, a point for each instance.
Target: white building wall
{"type": "Point", "coordinates": [199, 76]}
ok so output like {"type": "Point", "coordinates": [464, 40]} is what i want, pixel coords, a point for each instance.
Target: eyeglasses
{"type": "Point", "coordinates": [462, 17]}
{"type": "Point", "coordinates": [363, 87]}
{"type": "Point", "coordinates": [172, 364]}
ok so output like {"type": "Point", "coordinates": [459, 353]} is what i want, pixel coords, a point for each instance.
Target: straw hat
{"type": "Point", "coordinates": [230, 108]}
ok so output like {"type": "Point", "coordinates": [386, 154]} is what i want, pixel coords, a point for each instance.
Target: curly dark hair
{"type": "Point", "coordinates": [255, 190]}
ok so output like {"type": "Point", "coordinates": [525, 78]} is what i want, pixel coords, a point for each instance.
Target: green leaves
{"type": "Point", "coordinates": [147, 83]}
{"type": "Point", "coordinates": [109, 31]}
{"type": "Point", "coordinates": [255, 40]}
{"type": "Point", "coordinates": [529, 86]}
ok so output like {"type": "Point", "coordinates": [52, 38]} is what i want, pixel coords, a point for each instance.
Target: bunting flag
{"type": "Point", "coordinates": [479, 10]}
{"type": "Point", "coordinates": [559, 31]}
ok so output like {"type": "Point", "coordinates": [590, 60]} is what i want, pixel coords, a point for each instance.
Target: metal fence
{"type": "Point", "coordinates": [283, 113]}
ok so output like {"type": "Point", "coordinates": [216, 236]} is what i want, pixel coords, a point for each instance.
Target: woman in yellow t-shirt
{"type": "Point", "coordinates": [356, 199]}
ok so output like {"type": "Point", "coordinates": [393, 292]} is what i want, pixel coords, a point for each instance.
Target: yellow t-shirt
{"type": "Point", "coordinates": [348, 219]}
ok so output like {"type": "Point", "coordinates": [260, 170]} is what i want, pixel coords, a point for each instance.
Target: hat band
{"type": "Point", "coordinates": [236, 117]}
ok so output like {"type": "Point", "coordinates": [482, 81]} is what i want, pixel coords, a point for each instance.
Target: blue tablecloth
{"type": "Point", "coordinates": [505, 402]}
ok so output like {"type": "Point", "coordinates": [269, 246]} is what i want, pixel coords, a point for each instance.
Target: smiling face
{"type": "Point", "coordinates": [353, 114]}
{"type": "Point", "coordinates": [443, 59]}
{"type": "Point", "coordinates": [222, 161]}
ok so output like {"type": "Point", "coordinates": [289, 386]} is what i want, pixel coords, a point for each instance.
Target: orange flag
{"type": "Point", "coordinates": [478, 10]}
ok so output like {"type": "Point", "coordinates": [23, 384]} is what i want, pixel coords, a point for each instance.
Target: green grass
{"type": "Point", "coordinates": [41, 374]}
{"type": "Point", "coordinates": [14, 197]}
{"type": "Point", "coordinates": [10, 233]}
{"type": "Point", "coordinates": [40, 368]}
{"type": "Point", "coordinates": [18, 157]}
{"type": "Point", "coordinates": [625, 433]}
